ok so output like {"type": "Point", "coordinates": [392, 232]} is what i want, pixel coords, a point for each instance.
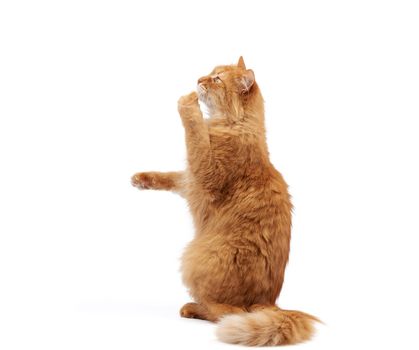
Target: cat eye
{"type": "Point", "coordinates": [217, 80]}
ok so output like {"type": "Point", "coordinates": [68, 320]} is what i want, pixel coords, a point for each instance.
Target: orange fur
{"type": "Point", "coordinates": [234, 267]}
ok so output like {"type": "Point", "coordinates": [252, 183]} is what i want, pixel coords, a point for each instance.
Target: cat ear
{"type": "Point", "coordinates": [241, 63]}
{"type": "Point", "coordinates": [247, 80]}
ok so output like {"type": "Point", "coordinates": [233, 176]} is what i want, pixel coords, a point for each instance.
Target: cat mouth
{"type": "Point", "coordinates": [201, 90]}
{"type": "Point", "coordinates": [203, 95]}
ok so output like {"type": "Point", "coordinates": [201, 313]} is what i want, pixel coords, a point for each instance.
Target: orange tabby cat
{"type": "Point", "coordinates": [234, 267]}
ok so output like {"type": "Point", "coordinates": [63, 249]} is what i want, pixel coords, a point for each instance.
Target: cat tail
{"type": "Point", "coordinates": [267, 327]}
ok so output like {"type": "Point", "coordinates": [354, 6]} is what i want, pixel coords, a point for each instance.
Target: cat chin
{"type": "Point", "coordinates": [204, 103]}
{"type": "Point", "coordinates": [202, 99]}
{"type": "Point", "coordinates": [204, 108]}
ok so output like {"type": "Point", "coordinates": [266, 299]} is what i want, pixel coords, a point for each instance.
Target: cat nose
{"type": "Point", "coordinates": [202, 80]}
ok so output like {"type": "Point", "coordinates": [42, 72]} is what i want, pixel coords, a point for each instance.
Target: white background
{"type": "Point", "coordinates": [88, 93]}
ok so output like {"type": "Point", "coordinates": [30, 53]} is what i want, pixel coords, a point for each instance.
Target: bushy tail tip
{"type": "Point", "coordinates": [267, 327]}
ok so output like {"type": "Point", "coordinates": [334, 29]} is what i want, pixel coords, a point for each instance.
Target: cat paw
{"type": "Point", "coordinates": [192, 310]}
{"type": "Point", "coordinates": [188, 102]}
{"type": "Point", "coordinates": [142, 181]}
{"type": "Point", "coordinates": [188, 99]}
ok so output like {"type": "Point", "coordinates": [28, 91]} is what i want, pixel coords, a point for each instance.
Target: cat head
{"type": "Point", "coordinates": [227, 89]}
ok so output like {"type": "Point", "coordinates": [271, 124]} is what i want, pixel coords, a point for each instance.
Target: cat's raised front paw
{"type": "Point", "coordinates": [142, 181]}
{"type": "Point", "coordinates": [189, 99]}
{"type": "Point", "coordinates": [188, 103]}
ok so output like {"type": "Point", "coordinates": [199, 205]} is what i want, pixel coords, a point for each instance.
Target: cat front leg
{"type": "Point", "coordinates": [154, 180]}
{"type": "Point", "coordinates": [209, 172]}
{"type": "Point", "coordinates": [196, 130]}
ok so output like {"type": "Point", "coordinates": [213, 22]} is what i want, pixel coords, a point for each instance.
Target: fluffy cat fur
{"type": "Point", "coordinates": [234, 267]}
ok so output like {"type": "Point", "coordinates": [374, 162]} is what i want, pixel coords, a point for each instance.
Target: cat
{"type": "Point", "coordinates": [234, 267]}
